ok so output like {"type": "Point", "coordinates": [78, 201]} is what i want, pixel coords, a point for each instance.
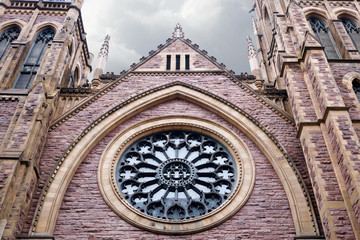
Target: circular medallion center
{"type": "Point", "coordinates": [176, 172]}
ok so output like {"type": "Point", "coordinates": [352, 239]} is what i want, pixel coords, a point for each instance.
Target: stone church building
{"type": "Point", "coordinates": [177, 146]}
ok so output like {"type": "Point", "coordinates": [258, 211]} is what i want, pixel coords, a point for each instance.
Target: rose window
{"type": "Point", "coordinates": [176, 175]}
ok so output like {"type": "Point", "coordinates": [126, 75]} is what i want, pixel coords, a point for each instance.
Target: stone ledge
{"type": "Point", "coordinates": [35, 237]}
{"type": "Point", "coordinates": [15, 91]}
{"type": "Point", "coordinates": [11, 154]}
{"type": "Point", "coordinates": [309, 237]}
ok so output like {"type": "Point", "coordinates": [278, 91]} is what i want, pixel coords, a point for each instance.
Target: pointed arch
{"type": "Point", "coordinates": [346, 12]}
{"type": "Point", "coordinates": [352, 81]}
{"type": "Point", "coordinates": [41, 26]}
{"type": "Point", "coordinates": [13, 22]}
{"type": "Point", "coordinates": [316, 12]}
{"type": "Point", "coordinates": [48, 208]}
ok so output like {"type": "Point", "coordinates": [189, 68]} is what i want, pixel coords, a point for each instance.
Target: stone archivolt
{"type": "Point", "coordinates": [57, 184]}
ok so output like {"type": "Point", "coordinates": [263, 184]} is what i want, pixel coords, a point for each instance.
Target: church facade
{"type": "Point", "coordinates": [178, 146]}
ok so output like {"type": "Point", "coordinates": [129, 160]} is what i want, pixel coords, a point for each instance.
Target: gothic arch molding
{"type": "Point", "coordinates": [47, 210]}
{"type": "Point", "coordinates": [13, 22]}
{"type": "Point", "coordinates": [316, 12]}
{"type": "Point", "coordinates": [40, 26]}
{"type": "Point", "coordinates": [348, 13]}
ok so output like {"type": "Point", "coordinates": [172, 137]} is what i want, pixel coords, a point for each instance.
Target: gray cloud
{"type": "Point", "coordinates": [139, 26]}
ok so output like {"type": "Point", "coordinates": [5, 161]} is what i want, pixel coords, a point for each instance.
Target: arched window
{"type": "Point", "coordinates": [353, 30]}
{"type": "Point", "coordinates": [268, 25]}
{"type": "Point", "coordinates": [33, 59]}
{"type": "Point", "coordinates": [6, 38]}
{"type": "Point", "coordinates": [323, 34]}
{"type": "Point", "coordinates": [356, 88]}
{"type": "Point", "coordinates": [75, 77]}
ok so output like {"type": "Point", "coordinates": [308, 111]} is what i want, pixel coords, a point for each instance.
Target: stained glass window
{"type": "Point", "coordinates": [323, 34]}
{"type": "Point", "coordinates": [176, 175]}
{"type": "Point", "coordinates": [33, 59]}
{"type": "Point", "coordinates": [356, 88]}
{"type": "Point", "coordinates": [6, 38]}
{"type": "Point", "coordinates": [353, 30]}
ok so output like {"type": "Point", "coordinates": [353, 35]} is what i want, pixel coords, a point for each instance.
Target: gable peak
{"type": "Point", "coordinates": [178, 33]}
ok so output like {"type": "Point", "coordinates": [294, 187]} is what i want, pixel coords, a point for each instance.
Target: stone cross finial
{"type": "Point", "coordinates": [178, 33]}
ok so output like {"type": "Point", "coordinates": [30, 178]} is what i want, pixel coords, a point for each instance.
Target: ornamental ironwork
{"type": "Point", "coordinates": [176, 175]}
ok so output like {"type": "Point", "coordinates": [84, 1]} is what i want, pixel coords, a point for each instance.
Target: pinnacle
{"type": "Point", "coordinates": [178, 33]}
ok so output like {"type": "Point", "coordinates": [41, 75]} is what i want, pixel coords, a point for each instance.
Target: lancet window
{"type": "Point", "coordinates": [356, 88]}
{"type": "Point", "coordinates": [323, 34]}
{"type": "Point", "coordinates": [353, 30]}
{"type": "Point", "coordinates": [33, 59]}
{"type": "Point", "coordinates": [6, 38]}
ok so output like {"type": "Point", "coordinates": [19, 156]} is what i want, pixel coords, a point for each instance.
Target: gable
{"type": "Point", "coordinates": [197, 61]}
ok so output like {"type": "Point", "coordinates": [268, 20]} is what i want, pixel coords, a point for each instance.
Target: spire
{"type": "Point", "coordinates": [178, 33]}
{"type": "Point", "coordinates": [254, 66]}
{"type": "Point", "coordinates": [251, 48]}
{"type": "Point", "coordinates": [104, 50]}
{"type": "Point", "coordinates": [102, 57]}
{"type": "Point", "coordinates": [254, 26]}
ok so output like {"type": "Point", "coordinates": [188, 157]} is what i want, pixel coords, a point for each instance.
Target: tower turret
{"type": "Point", "coordinates": [39, 55]}
{"type": "Point", "coordinates": [310, 50]}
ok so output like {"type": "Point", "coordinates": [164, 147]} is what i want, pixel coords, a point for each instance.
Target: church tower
{"type": "Point", "coordinates": [312, 49]}
{"type": "Point", "coordinates": [42, 49]}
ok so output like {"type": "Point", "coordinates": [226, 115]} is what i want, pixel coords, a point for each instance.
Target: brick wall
{"type": "Point", "coordinates": [58, 142]}
{"type": "Point", "coordinates": [84, 214]}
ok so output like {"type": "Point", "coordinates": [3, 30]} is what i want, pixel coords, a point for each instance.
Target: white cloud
{"type": "Point", "coordinates": [138, 26]}
{"type": "Point", "coordinates": [201, 12]}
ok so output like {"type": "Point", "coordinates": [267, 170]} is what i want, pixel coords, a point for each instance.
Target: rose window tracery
{"type": "Point", "coordinates": [176, 175]}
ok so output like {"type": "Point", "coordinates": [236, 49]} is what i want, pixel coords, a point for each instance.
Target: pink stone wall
{"type": "Point", "coordinates": [84, 214]}
{"type": "Point", "coordinates": [47, 18]}
{"type": "Point", "coordinates": [23, 17]}
{"type": "Point", "coordinates": [339, 70]}
{"type": "Point", "coordinates": [7, 110]}
{"type": "Point", "coordinates": [158, 62]}
{"type": "Point", "coordinates": [58, 142]}
{"type": "Point", "coordinates": [154, 63]}
{"type": "Point", "coordinates": [315, 142]}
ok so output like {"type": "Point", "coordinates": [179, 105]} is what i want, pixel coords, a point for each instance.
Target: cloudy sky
{"type": "Point", "coordinates": [139, 26]}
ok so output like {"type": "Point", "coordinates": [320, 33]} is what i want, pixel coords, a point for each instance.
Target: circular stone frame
{"type": "Point", "coordinates": [236, 147]}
